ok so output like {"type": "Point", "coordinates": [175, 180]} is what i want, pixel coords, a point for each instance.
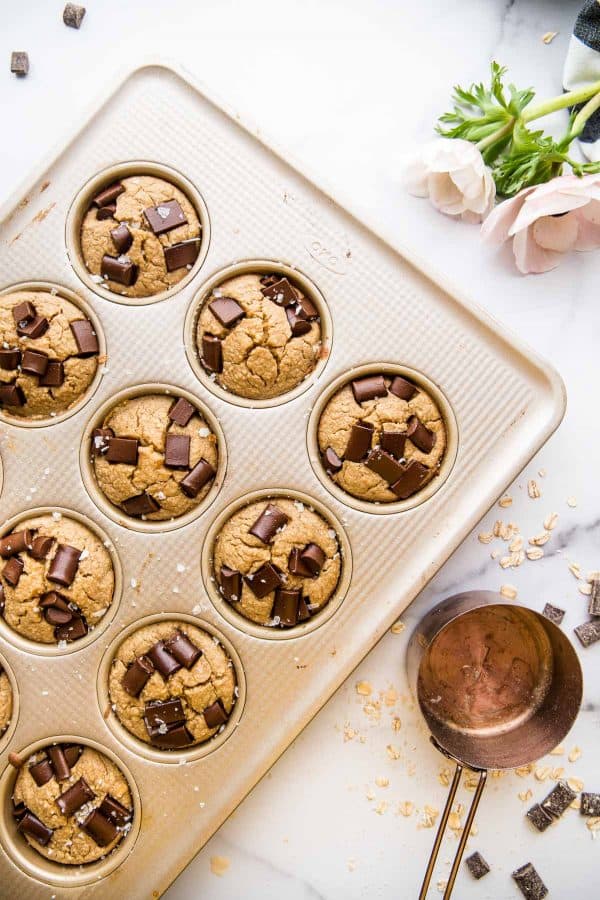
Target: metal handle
{"type": "Point", "coordinates": [442, 830]}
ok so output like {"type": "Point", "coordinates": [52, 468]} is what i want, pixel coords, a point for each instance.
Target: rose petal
{"type": "Point", "coordinates": [530, 257]}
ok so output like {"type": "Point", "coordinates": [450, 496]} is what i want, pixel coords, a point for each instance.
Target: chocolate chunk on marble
{"type": "Point", "coordinates": [589, 632]}
{"type": "Point", "coordinates": [19, 63]}
{"type": "Point", "coordinates": [554, 613]}
{"type": "Point", "coordinates": [477, 865]}
{"type": "Point", "coordinates": [73, 15]}
{"type": "Point", "coordinates": [529, 882]}
{"type": "Point", "coordinates": [590, 804]}
{"type": "Point", "coordinates": [594, 603]}
{"type": "Point", "coordinates": [558, 800]}
{"type": "Point", "coordinates": [539, 818]}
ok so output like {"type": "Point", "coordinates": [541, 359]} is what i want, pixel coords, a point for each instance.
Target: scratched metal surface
{"type": "Point", "coordinates": [506, 402]}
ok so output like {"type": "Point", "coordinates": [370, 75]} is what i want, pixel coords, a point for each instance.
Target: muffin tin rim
{"type": "Point", "coordinates": [16, 703]}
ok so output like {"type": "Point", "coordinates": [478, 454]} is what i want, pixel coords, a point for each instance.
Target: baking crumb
{"type": "Point", "coordinates": [485, 537]}
{"type": "Point", "coordinates": [572, 502]}
{"type": "Point", "coordinates": [550, 521]}
{"type": "Point", "coordinates": [382, 782]}
{"type": "Point", "coordinates": [549, 37]}
{"type": "Point", "coordinates": [392, 752]}
{"type": "Point", "coordinates": [535, 553]}
{"type": "Point", "coordinates": [406, 808]}
{"type": "Point", "coordinates": [533, 489]}
{"type": "Point", "coordinates": [505, 501]}
{"type": "Point", "coordinates": [575, 754]}
{"type": "Point", "coordinates": [398, 627]}
{"type": "Point", "coordinates": [525, 796]}
{"type": "Point", "coordinates": [364, 688]}
{"type": "Point", "coordinates": [508, 592]}
{"type": "Point", "coordinates": [219, 865]}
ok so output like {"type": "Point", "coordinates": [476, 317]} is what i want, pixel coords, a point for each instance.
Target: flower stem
{"type": "Point", "coordinates": [583, 115]}
{"type": "Point", "coordinates": [486, 142]}
{"type": "Point", "coordinates": [571, 98]}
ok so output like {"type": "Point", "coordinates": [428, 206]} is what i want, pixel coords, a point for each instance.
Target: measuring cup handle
{"type": "Point", "coordinates": [442, 829]}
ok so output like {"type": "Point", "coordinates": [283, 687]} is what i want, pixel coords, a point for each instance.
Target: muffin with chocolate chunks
{"type": "Point", "coordinates": [172, 685]}
{"type": "Point", "coordinates": [277, 562]}
{"type": "Point", "coordinates": [6, 701]}
{"type": "Point", "coordinates": [56, 579]}
{"type": "Point", "coordinates": [154, 456]}
{"type": "Point", "coordinates": [258, 336]}
{"type": "Point", "coordinates": [72, 804]}
{"type": "Point", "coordinates": [48, 354]}
{"type": "Point", "coordinates": [140, 236]}
{"type": "Point", "coordinates": [382, 438]}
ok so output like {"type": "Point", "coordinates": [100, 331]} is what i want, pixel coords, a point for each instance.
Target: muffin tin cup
{"type": "Point", "coordinates": [129, 740]}
{"type": "Point", "coordinates": [33, 863]}
{"type": "Point", "coordinates": [248, 267]}
{"type": "Point", "coordinates": [81, 204]}
{"type": "Point", "coordinates": [149, 526]}
{"type": "Point", "coordinates": [227, 610]}
{"type": "Point", "coordinates": [6, 737]}
{"type": "Point", "coordinates": [448, 460]}
{"type": "Point", "coordinates": [35, 647]}
{"type": "Point", "coordinates": [86, 309]}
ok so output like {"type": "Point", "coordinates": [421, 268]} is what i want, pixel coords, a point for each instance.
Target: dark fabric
{"type": "Point", "coordinates": [587, 26]}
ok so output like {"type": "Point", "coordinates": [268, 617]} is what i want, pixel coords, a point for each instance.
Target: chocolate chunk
{"type": "Point", "coordinates": [40, 547]}
{"type": "Point", "coordinates": [122, 450]}
{"type": "Point", "coordinates": [56, 608]}
{"type": "Point", "coordinates": [183, 254]}
{"type": "Point", "coordinates": [19, 63]}
{"type": "Point", "coordinates": [122, 237]}
{"type": "Point", "coordinates": [384, 465]}
{"type": "Point", "coordinates": [331, 461]}
{"type": "Point", "coordinates": [100, 439]}
{"type": "Point", "coordinates": [119, 269]}
{"type": "Point", "coordinates": [368, 388]}
{"type": "Point", "coordinates": [175, 738]}
{"type": "Point", "coordinates": [264, 580]}
{"type": "Point", "coordinates": [303, 610]}
{"type": "Point", "coordinates": [24, 312]}
{"type": "Point", "coordinates": [72, 631]}
{"type": "Point", "coordinates": [162, 660]}
{"type": "Point", "coordinates": [99, 828]}
{"type": "Point", "coordinates": [165, 216]}
{"type": "Point", "coordinates": [227, 310]}
{"type": "Point", "coordinates": [402, 388]}
{"type": "Point", "coordinates": [477, 865]}
{"type": "Point", "coordinates": [136, 676]}
{"type": "Point", "coordinates": [298, 324]}
{"type": "Point", "coordinates": [393, 442]}
{"type": "Point", "coordinates": [18, 809]}
{"type": "Point", "coordinates": [85, 337]}
{"type": "Point", "coordinates": [195, 480]}
{"type": "Point", "coordinates": [269, 279]}
{"type": "Point", "coordinates": [558, 800]}
{"type": "Point", "coordinates": [16, 542]}
{"type": "Point", "coordinates": [10, 359]}
{"type": "Point", "coordinates": [529, 883]}
{"type": "Point", "coordinates": [212, 353]}
{"type": "Point", "coordinates": [306, 309]}
{"type": "Point", "coordinates": [36, 830]}
{"type": "Point", "coordinates": [280, 292]}
{"type": "Point", "coordinates": [589, 632]}
{"type": "Point", "coordinates": [296, 566]}
{"type": "Point", "coordinates": [270, 521]}
{"type": "Point", "coordinates": [285, 607]}
{"type": "Point", "coordinates": [34, 362]}
{"type": "Point", "coordinates": [75, 797]}
{"type": "Point", "coordinates": [2, 599]}
{"type": "Point", "coordinates": [73, 15]}
{"type": "Point", "coordinates": [183, 649]}
{"type": "Point", "coordinates": [140, 505]}
{"type": "Point", "coordinates": [11, 395]}
{"type": "Point", "coordinates": [359, 441]}
{"type": "Point", "coordinates": [313, 558]}
{"type": "Point", "coordinates": [230, 584]}
{"type": "Point", "coordinates": [594, 604]}
{"type": "Point", "coordinates": [13, 570]}
{"type": "Point", "coordinates": [410, 481]}
{"type": "Point", "coordinates": [215, 715]}
{"type": "Point", "coordinates": [181, 412]}
{"type": "Point", "coordinates": [106, 212]}
{"type": "Point", "coordinates": [34, 329]}
{"type": "Point", "coordinates": [539, 818]}
{"type": "Point", "coordinates": [63, 567]}
{"type": "Point", "coordinates": [109, 194]}
{"type": "Point", "coordinates": [54, 375]}
{"type": "Point", "coordinates": [60, 765]}
{"type": "Point", "coordinates": [72, 753]}
{"type": "Point", "coordinates": [421, 436]}
{"type": "Point", "coordinates": [590, 804]}
{"type": "Point", "coordinates": [115, 812]}
{"type": "Point", "coordinates": [41, 772]}
{"type": "Point", "coordinates": [158, 713]}
{"type": "Point", "coordinates": [177, 451]}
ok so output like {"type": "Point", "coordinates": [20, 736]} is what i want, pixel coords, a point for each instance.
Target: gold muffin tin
{"type": "Point", "coordinates": [379, 311]}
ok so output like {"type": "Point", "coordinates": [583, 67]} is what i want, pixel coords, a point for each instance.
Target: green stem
{"type": "Point", "coordinates": [583, 115]}
{"type": "Point", "coordinates": [571, 98]}
{"type": "Point", "coordinates": [486, 142]}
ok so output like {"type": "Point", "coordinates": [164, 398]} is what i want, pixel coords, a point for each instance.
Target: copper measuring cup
{"type": "Point", "coordinates": [499, 686]}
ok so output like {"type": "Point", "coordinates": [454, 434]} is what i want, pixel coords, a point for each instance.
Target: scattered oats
{"type": "Point", "coordinates": [398, 627]}
{"type": "Point", "coordinates": [382, 782]}
{"type": "Point", "coordinates": [430, 814]}
{"type": "Point", "coordinates": [540, 539]}
{"type": "Point", "coordinates": [363, 688]}
{"type": "Point", "coordinates": [442, 885]}
{"type": "Point", "coordinates": [557, 773]}
{"type": "Point", "coordinates": [535, 553]}
{"type": "Point", "coordinates": [550, 521]}
{"type": "Point", "coordinates": [508, 592]}
{"type": "Point", "coordinates": [542, 473]}
{"type": "Point", "coordinates": [524, 771]}
{"type": "Point", "coordinates": [558, 751]}
{"type": "Point", "coordinates": [471, 780]}
{"type": "Point", "coordinates": [485, 537]}
{"type": "Point", "coordinates": [381, 808]}
{"type": "Point", "coordinates": [370, 795]}
{"type": "Point", "coordinates": [542, 773]}
{"type": "Point", "coordinates": [549, 37]}
{"type": "Point", "coordinates": [444, 776]}
{"type": "Point", "coordinates": [411, 769]}
{"type": "Point", "coordinates": [572, 502]}
{"type": "Point", "coordinates": [505, 501]}
{"type": "Point", "coordinates": [533, 489]}
{"type": "Point", "coordinates": [219, 865]}
{"type": "Point", "coordinates": [396, 724]}
{"type": "Point", "coordinates": [406, 808]}
{"type": "Point", "coordinates": [585, 589]}
{"type": "Point", "coordinates": [454, 821]}
{"type": "Point", "coordinates": [575, 570]}
{"type": "Point", "coordinates": [576, 784]}
{"type": "Point", "coordinates": [575, 754]}
{"type": "Point", "coordinates": [526, 796]}
{"type": "Point", "coordinates": [349, 733]}
{"type": "Point", "coordinates": [516, 544]}
{"type": "Point", "coordinates": [392, 752]}
{"type": "Point", "coordinates": [593, 824]}
{"type": "Point", "coordinates": [576, 804]}
{"type": "Point", "coordinates": [513, 561]}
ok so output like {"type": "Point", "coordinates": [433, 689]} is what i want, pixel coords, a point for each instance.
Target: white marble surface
{"type": "Point", "coordinates": [347, 85]}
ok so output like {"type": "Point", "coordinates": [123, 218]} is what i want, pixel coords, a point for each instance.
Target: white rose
{"type": "Point", "coordinates": [452, 173]}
